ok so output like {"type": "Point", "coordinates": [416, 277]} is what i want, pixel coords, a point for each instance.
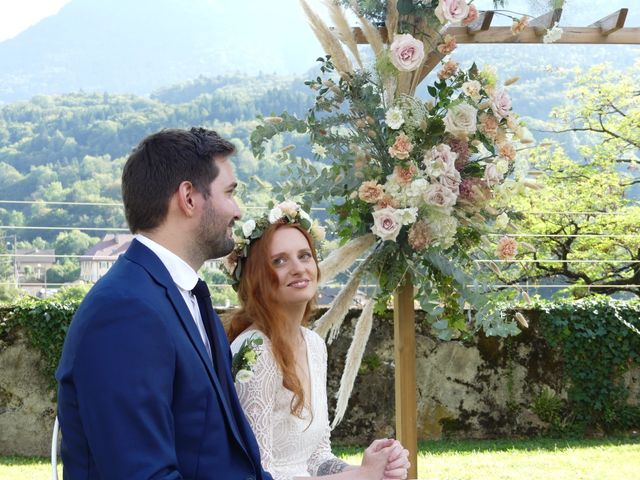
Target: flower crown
{"type": "Point", "coordinates": [285, 212]}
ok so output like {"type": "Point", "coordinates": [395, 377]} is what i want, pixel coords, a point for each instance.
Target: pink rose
{"type": "Point", "coordinates": [492, 175]}
{"type": "Point", "coordinates": [452, 11]}
{"type": "Point", "coordinates": [386, 224]}
{"type": "Point", "coordinates": [500, 103]}
{"type": "Point", "coordinates": [401, 148]}
{"type": "Point", "coordinates": [407, 53]}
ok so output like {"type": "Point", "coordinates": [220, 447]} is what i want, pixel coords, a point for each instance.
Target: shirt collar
{"type": "Point", "coordinates": [181, 272]}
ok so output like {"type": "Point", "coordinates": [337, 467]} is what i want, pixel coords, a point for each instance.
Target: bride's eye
{"type": "Point", "coordinates": [278, 261]}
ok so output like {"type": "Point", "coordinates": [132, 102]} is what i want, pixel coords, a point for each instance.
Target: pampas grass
{"type": "Point", "coordinates": [342, 258]}
{"type": "Point", "coordinates": [329, 42]}
{"type": "Point", "coordinates": [354, 359]}
{"type": "Point", "coordinates": [372, 35]}
{"type": "Point", "coordinates": [391, 21]}
{"type": "Point", "coordinates": [345, 33]}
{"type": "Point", "coordinates": [330, 322]}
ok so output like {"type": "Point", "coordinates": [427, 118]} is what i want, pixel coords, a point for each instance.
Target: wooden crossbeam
{"type": "Point", "coordinates": [575, 35]}
{"type": "Point", "coordinates": [612, 23]}
{"type": "Point", "coordinates": [482, 23]}
{"type": "Point", "coordinates": [542, 23]}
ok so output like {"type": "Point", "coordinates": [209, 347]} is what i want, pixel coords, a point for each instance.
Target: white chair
{"type": "Point", "coordinates": [54, 450]}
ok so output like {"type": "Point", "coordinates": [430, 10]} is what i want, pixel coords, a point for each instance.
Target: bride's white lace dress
{"type": "Point", "coordinates": [289, 446]}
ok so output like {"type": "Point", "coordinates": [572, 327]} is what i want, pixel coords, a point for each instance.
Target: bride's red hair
{"type": "Point", "coordinates": [259, 308]}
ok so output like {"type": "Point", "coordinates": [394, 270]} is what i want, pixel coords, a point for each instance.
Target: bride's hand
{"type": "Point", "coordinates": [376, 459]}
{"type": "Point", "coordinates": [397, 463]}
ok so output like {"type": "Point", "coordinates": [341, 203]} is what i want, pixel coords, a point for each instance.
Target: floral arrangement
{"type": "Point", "coordinates": [252, 229]}
{"type": "Point", "coordinates": [415, 184]}
{"type": "Point", "coordinates": [243, 361]}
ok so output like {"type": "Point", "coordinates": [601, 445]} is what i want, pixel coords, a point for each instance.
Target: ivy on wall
{"type": "Point", "coordinates": [45, 323]}
{"type": "Point", "coordinates": [599, 340]}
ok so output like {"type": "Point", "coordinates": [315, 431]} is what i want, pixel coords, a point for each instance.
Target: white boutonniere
{"type": "Point", "coordinates": [243, 361]}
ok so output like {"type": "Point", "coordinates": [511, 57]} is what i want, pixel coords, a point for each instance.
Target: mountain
{"type": "Point", "coordinates": [137, 46]}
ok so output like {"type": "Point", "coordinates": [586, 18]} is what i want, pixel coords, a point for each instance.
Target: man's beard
{"type": "Point", "coordinates": [213, 240]}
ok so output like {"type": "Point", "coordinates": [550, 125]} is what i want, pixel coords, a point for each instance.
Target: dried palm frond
{"type": "Point", "coordinates": [372, 35]}
{"type": "Point", "coordinates": [328, 40]}
{"type": "Point", "coordinates": [391, 20]}
{"type": "Point", "coordinates": [345, 33]}
{"type": "Point", "coordinates": [354, 359]}
{"type": "Point", "coordinates": [342, 258]}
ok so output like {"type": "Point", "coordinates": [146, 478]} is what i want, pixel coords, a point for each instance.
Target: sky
{"type": "Point", "coordinates": [18, 15]}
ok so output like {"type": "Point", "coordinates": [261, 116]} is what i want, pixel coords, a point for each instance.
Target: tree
{"type": "Point", "coordinates": [599, 248]}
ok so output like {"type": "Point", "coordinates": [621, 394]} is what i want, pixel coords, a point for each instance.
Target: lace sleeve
{"type": "Point", "coordinates": [323, 461]}
{"type": "Point", "coordinates": [257, 397]}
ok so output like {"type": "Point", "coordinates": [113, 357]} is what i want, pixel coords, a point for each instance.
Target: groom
{"type": "Point", "coordinates": [145, 389]}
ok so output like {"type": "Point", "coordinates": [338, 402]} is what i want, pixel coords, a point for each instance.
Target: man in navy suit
{"type": "Point", "coordinates": [145, 387]}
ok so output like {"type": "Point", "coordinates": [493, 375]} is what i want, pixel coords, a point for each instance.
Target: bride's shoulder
{"type": "Point", "coordinates": [249, 334]}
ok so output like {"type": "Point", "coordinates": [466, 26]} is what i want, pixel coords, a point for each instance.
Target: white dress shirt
{"type": "Point", "coordinates": [185, 279]}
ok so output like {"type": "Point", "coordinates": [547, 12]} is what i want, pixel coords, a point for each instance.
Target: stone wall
{"type": "Point", "coordinates": [27, 408]}
{"type": "Point", "coordinates": [477, 389]}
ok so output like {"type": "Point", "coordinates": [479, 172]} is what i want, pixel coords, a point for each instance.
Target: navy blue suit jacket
{"type": "Point", "coordinates": [138, 396]}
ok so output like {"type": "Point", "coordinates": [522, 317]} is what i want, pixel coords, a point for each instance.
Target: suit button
{"type": "Point", "coordinates": [251, 477]}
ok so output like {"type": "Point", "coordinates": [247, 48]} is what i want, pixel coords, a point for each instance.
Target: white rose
{"type": "Point", "coordinates": [394, 118]}
{"type": "Point", "coordinates": [243, 376]}
{"type": "Point", "coordinates": [386, 224]}
{"type": "Point", "coordinates": [275, 214]}
{"type": "Point", "coordinates": [492, 175]}
{"type": "Point", "coordinates": [407, 215]}
{"type": "Point", "coordinates": [461, 120]}
{"type": "Point", "coordinates": [452, 11]}
{"type": "Point", "coordinates": [248, 227]}
{"type": "Point", "coordinates": [553, 34]}
{"type": "Point", "coordinates": [407, 53]}
{"type": "Point", "coordinates": [472, 89]}
{"type": "Point", "coordinates": [415, 190]}
{"type": "Point", "coordinates": [502, 220]}
{"type": "Point", "coordinates": [500, 103]}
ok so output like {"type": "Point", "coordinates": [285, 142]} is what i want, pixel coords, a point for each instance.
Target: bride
{"type": "Point", "coordinates": [282, 378]}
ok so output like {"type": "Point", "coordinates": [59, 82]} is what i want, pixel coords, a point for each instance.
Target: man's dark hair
{"type": "Point", "coordinates": [158, 165]}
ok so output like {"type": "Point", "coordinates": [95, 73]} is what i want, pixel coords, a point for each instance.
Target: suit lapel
{"type": "Point", "coordinates": [144, 257]}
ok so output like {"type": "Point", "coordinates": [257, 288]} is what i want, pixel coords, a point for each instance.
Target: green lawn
{"type": "Point", "coordinates": [542, 459]}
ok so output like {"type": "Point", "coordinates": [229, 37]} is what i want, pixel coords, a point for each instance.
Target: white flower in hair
{"type": "Point", "coordinates": [275, 214]}
{"type": "Point", "coordinates": [289, 208]}
{"type": "Point", "coordinates": [248, 227]}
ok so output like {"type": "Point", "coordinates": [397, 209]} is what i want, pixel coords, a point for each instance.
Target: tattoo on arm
{"type": "Point", "coordinates": [331, 466]}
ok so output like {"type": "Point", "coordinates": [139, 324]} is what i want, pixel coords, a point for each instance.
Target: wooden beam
{"type": "Point", "coordinates": [432, 60]}
{"type": "Point", "coordinates": [404, 341]}
{"type": "Point", "coordinates": [544, 22]}
{"type": "Point", "coordinates": [612, 23]}
{"type": "Point", "coordinates": [482, 23]}
{"type": "Point", "coordinates": [361, 39]}
{"type": "Point", "coordinates": [575, 35]}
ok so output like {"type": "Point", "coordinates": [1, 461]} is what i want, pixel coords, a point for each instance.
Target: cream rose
{"type": "Point", "coordinates": [492, 175]}
{"type": "Point", "coordinates": [386, 224]}
{"type": "Point", "coordinates": [452, 11]}
{"type": "Point", "coordinates": [248, 227]}
{"type": "Point", "coordinates": [472, 89]}
{"type": "Point", "coordinates": [407, 53]}
{"type": "Point", "coordinates": [461, 120]}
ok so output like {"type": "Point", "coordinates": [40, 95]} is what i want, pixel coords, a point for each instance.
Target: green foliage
{"type": "Point", "coordinates": [600, 341]}
{"type": "Point", "coordinates": [45, 322]}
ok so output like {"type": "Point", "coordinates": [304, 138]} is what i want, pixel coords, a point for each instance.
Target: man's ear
{"type": "Point", "coordinates": [185, 198]}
